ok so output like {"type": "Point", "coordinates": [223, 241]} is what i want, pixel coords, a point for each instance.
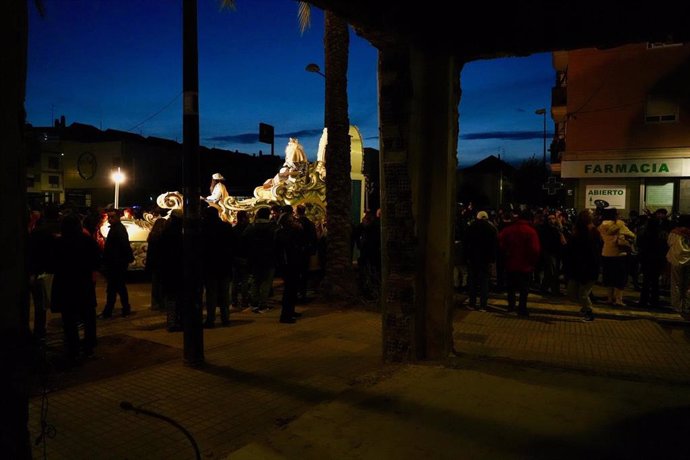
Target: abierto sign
{"type": "Point", "coordinates": [614, 195]}
{"type": "Point", "coordinates": [658, 167]}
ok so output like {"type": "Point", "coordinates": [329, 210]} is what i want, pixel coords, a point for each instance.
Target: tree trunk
{"type": "Point", "coordinates": [339, 277]}
{"type": "Point", "coordinates": [14, 294]}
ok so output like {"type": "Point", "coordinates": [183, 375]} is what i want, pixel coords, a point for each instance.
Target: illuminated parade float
{"type": "Point", "coordinates": [298, 181]}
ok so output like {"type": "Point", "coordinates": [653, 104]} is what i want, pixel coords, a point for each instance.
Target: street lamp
{"type": "Point", "coordinates": [542, 112]}
{"type": "Point", "coordinates": [315, 69]}
{"type": "Point", "coordinates": [118, 177]}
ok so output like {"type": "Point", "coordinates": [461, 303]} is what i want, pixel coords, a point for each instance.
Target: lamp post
{"type": "Point", "coordinates": [118, 177]}
{"type": "Point", "coordinates": [542, 112]}
{"type": "Point", "coordinates": [315, 69]}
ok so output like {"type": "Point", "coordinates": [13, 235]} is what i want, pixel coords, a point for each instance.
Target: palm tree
{"type": "Point", "coordinates": [339, 281]}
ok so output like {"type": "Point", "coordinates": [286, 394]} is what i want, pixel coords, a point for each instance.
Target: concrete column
{"type": "Point", "coordinates": [418, 99]}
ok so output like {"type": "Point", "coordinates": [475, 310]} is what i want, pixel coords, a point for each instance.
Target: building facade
{"type": "Point", "coordinates": [622, 126]}
{"type": "Point", "coordinates": [73, 164]}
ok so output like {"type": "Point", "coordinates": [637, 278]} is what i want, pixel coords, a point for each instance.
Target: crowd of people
{"type": "Point", "coordinates": [509, 250]}
{"type": "Point", "coordinates": [544, 249]}
{"type": "Point", "coordinates": [238, 263]}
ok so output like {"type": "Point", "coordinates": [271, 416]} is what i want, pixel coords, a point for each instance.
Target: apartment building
{"type": "Point", "coordinates": [622, 126]}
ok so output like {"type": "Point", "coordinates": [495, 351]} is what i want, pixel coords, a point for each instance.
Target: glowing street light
{"type": "Point", "coordinates": [118, 177]}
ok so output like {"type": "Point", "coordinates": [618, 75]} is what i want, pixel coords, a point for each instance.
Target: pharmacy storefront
{"type": "Point", "coordinates": [631, 184]}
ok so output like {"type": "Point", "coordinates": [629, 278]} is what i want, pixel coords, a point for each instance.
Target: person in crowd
{"type": "Point", "coordinates": [652, 247]}
{"type": "Point", "coordinates": [289, 257]}
{"type": "Point", "coordinates": [321, 251]}
{"type": "Point", "coordinates": [40, 244]}
{"type": "Point", "coordinates": [171, 269]}
{"type": "Point", "coordinates": [506, 218]}
{"type": "Point", "coordinates": [679, 257]}
{"type": "Point", "coordinates": [92, 222]}
{"type": "Point", "coordinates": [275, 213]}
{"type": "Point", "coordinates": [481, 245]}
{"type": "Point", "coordinates": [367, 235]}
{"type": "Point", "coordinates": [240, 264]}
{"type": "Point", "coordinates": [153, 264]}
{"type": "Point", "coordinates": [519, 243]}
{"type": "Point", "coordinates": [76, 258]}
{"type": "Point", "coordinates": [35, 215]}
{"type": "Point", "coordinates": [218, 190]}
{"type": "Point", "coordinates": [460, 228]}
{"type": "Point", "coordinates": [537, 221]}
{"type": "Point", "coordinates": [635, 222]}
{"type": "Point", "coordinates": [664, 223]}
{"type": "Point", "coordinates": [551, 241]}
{"type": "Point", "coordinates": [260, 239]}
{"type": "Point", "coordinates": [614, 233]}
{"type": "Point", "coordinates": [216, 264]}
{"type": "Point", "coordinates": [307, 245]}
{"type": "Point", "coordinates": [582, 260]}
{"type": "Point", "coordinates": [117, 255]}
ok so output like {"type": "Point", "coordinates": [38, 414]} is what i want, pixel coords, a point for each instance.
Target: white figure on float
{"type": "Point", "coordinates": [321, 154]}
{"type": "Point", "coordinates": [295, 157]}
{"type": "Point", "coordinates": [218, 191]}
{"type": "Point", "coordinates": [294, 154]}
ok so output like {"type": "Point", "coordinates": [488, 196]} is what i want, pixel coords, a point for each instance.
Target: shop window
{"type": "Point", "coordinates": [659, 196]}
{"type": "Point", "coordinates": [660, 109]}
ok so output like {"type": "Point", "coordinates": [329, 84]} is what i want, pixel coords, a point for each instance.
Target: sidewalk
{"type": "Point", "coordinates": [543, 387]}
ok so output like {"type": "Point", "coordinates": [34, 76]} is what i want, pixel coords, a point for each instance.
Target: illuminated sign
{"type": "Point", "coordinates": [614, 195]}
{"type": "Point", "coordinates": [663, 167]}
{"type": "Point", "coordinates": [624, 168]}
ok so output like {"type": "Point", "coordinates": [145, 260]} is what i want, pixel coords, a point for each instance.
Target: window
{"type": "Point", "coordinates": [54, 181]}
{"type": "Point", "coordinates": [658, 195]}
{"type": "Point", "coordinates": [666, 44]}
{"type": "Point", "coordinates": [53, 162]}
{"type": "Point", "coordinates": [661, 109]}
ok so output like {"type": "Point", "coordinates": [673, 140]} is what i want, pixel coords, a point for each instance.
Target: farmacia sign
{"type": "Point", "coordinates": [664, 167]}
{"type": "Point", "coordinates": [625, 168]}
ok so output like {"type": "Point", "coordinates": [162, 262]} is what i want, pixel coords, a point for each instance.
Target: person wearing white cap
{"type": "Point", "coordinates": [480, 247]}
{"type": "Point", "coordinates": [218, 190]}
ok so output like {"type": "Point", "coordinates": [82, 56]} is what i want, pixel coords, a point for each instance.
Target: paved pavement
{"type": "Point", "coordinates": [547, 386]}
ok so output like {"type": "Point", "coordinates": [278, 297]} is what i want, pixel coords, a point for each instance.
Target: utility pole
{"type": "Point", "coordinates": [543, 161]}
{"type": "Point", "coordinates": [191, 312]}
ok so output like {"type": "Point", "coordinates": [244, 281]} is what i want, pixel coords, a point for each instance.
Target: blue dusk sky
{"type": "Point", "coordinates": [118, 65]}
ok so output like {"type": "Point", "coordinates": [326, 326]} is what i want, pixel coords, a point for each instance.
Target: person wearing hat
{"type": "Point", "coordinates": [218, 190]}
{"type": "Point", "coordinates": [480, 249]}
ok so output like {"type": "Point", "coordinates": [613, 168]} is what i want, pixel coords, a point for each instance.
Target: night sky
{"type": "Point", "coordinates": [118, 65]}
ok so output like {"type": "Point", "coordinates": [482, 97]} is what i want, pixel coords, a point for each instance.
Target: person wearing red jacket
{"type": "Point", "coordinates": [519, 243]}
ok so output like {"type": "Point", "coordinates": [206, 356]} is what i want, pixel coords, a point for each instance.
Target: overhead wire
{"type": "Point", "coordinates": [156, 113]}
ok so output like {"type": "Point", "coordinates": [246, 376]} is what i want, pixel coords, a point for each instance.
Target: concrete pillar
{"type": "Point", "coordinates": [419, 94]}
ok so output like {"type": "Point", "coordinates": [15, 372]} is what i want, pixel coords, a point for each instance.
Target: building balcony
{"type": "Point", "coordinates": [559, 96]}
{"type": "Point", "coordinates": [559, 103]}
{"type": "Point", "coordinates": [559, 60]}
